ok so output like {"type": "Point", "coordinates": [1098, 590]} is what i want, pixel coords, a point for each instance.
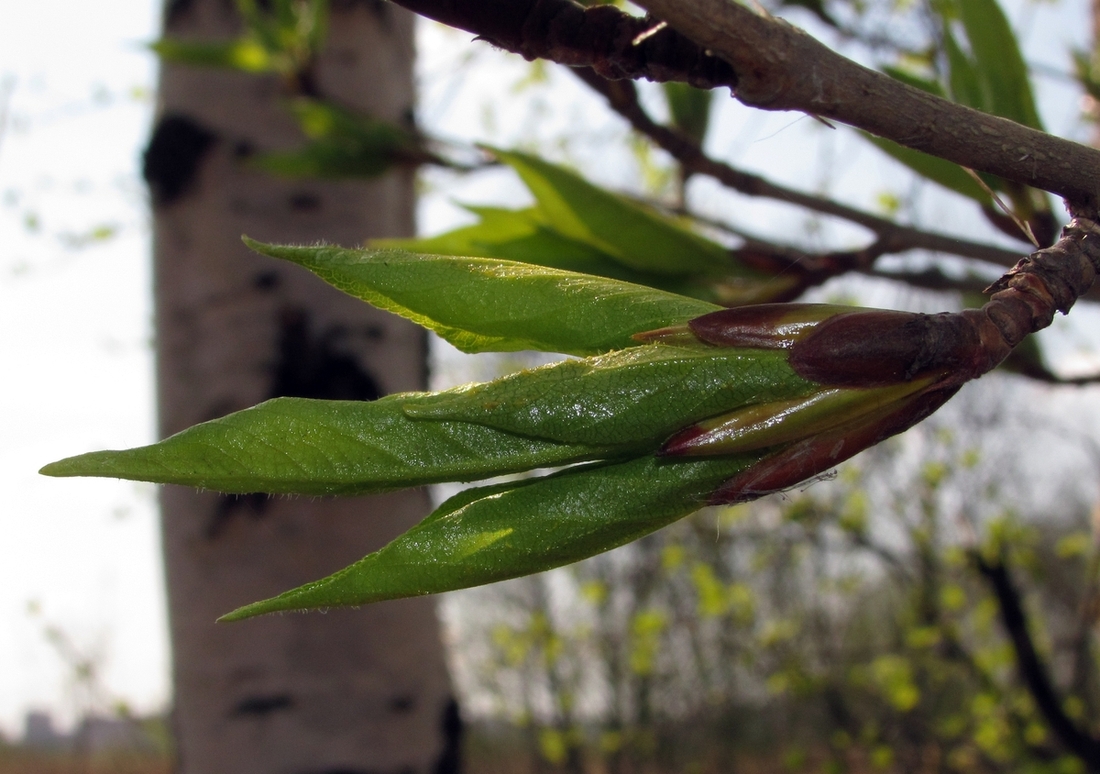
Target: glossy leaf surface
{"type": "Point", "coordinates": [493, 533]}
{"type": "Point", "coordinates": [301, 446]}
{"type": "Point", "coordinates": [634, 396]}
{"type": "Point", "coordinates": [482, 305]}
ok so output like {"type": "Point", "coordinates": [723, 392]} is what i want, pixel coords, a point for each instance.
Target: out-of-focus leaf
{"type": "Point", "coordinates": [947, 174]}
{"type": "Point", "coordinates": [312, 447]}
{"type": "Point", "coordinates": [625, 398]}
{"type": "Point", "coordinates": [689, 108]}
{"type": "Point", "coordinates": [635, 236]}
{"type": "Point", "coordinates": [477, 537]}
{"type": "Point", "coordinates": [521, 235]}
{"type": "Point", "coordinates": [998, 61]}
{"type": "Point", "coordinates": [343, 145]}
{"type": "Point", "coordinates": [482, 305]}
{"type": "Point", "coordinates": [1086, 67]}
{"type": "Point", "coordinates": [244, 54]}
{"type": "Point", "coordinates": [966, 84]}
{"type": "Point", "coordinates": [514, 235]}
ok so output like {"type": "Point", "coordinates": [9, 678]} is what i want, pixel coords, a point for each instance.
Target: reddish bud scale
{"type": "Point", "coordinates": [815, 455]}
{"type": "Point", "coordinates": [877, 348]}
{"type": "Point", "coordinates": [762, 326]}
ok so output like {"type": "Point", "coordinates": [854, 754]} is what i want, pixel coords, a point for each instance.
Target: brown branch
{"type": "Point", "coordinates": [1033, 671]}
{"type": "Point", "coordinates": [780, 67]}
{"type": "Point", "coordinates": [615, 44]}
{"type": "Point", "coordinates": [894, 238]}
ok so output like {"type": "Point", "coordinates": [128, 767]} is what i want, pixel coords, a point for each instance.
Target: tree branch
{"type": "Point", "coordinates": [780, 67]}
{"type": "Point", "coordinates": [615, 44]}
{"type": "Point", "coordinates": [1030, 665]}
{"type": "Point", "coordinates": [893, 238]}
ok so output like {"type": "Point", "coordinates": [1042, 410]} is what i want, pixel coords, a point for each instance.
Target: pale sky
{"type": "Point", "coordinates": [75, 314]}
{"type": "Point", "coordinates": [75, 344]}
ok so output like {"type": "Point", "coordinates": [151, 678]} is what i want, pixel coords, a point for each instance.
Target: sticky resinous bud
{"type": "Point", "coordinates": [847, 346]}
{"type": "Point", "coordinates": [816, 454]}
{"type": "Point", "coordinates": [877, 348]}
{"type": "Point", "coordinates": [880, 372]}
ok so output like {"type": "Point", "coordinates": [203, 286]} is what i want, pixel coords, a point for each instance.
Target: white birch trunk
{"type": "Point", "coordinates": [354, 690]}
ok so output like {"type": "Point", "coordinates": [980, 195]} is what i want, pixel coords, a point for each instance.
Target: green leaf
{"type": "Point", "coordinates": [514, 235]}
{"type": "Point", "coordinates": [632, 397]}
{"type": "Point", "coordinates": [998, 61]}
{"type": "Point", "coordinates": [481, 305]}
{"type": "Point", "coordinates": [244, 54]}
{"type": "Point", "coordinates": [521, 235]}
{"type": "Point", "coordinates": [689, 108]}
{"type": "Point", "coordinates": [493, 533]}
{"type": "Point", "coordinates": [633, 235]}
{"type": "Point", "coordinates": [946, 173]}
{"type": "Point", "coordinates": [343, 145]}
{"type": "Point", "coordinates": [300, 446]}
{"type": "Point", "coordinates": [967, 86]}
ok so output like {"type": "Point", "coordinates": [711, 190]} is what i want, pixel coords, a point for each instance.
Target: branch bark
{"type": "Point", "coordinates": [893, 237]}
{"type": "Point", "coordinates": [615, 44]}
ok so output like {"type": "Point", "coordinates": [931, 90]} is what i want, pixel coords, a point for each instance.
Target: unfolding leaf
{"type": "Point", "coordinates": [946, 173]}
{"type": "Point", "coordinates": [625, 398]}
{"type": "Point", "coordinates": [482, 305]}
{"type": "Point", "coordinates": [966, 83]}
{"type": "Point", "coordinates": [636, 236]}
{"type": "Point", "coordinates": [493, 533]}
{"type": "Point", "coordinates": [516, 235]}
{"type": "Point", "coordinates": [998, 61]}
{"type": "Point", "coordinates": [313, 447]}
{"type": "Point", "coordinates": [522, 235]}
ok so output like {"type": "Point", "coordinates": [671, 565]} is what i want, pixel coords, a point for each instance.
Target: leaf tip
{"type": "Point", "coordinates": [244, 612]}
{"type": "Point", "coordinates": [56, 469]}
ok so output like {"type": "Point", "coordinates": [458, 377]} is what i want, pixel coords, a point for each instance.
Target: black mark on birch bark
{"type": "Point", "coordinates": [313, 365]}
{"type": "Point", "coordinates": [173, 157]}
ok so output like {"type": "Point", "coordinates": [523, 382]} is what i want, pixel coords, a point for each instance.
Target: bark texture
{"type": "Point", "coordinates": [355, 690]}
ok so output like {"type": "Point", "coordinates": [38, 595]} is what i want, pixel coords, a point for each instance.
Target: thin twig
{"type": "Point", "coordinates": [1033, 671]}
{"type": "Point", "coordinates": [623, 99]}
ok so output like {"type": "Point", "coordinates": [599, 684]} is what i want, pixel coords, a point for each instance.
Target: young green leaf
{"type": "Point", "coordinates": [689, 108]}
{"type": "Point", "coordinates": [946, 173]}
{"type": "Point", "coordinates": [313, 447]}
{"type": "Point", "coordinates": [627, 398]}
{"type": "Point", "coordinates": [493, 533]}
{"type": "Point", "coordinates": [998, 61]}
{"type": "Point", "coordinates": [482, 305]}
{"type": "Point", "coordinates": [514, 235]}
{"type": "Point", "coordinates": [967, 85]}
{"type": "Point", "coordinates": [612, 406]}
{"type": "Point", "coordinates": [632, 234]}
{"type": "Point", "coordinates": [522, 235]}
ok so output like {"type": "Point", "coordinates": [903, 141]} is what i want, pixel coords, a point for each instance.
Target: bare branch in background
{"type": "Point", "coordinates": [893, 238]}
{"type": "Point", "coordinates": [1033, 671]}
